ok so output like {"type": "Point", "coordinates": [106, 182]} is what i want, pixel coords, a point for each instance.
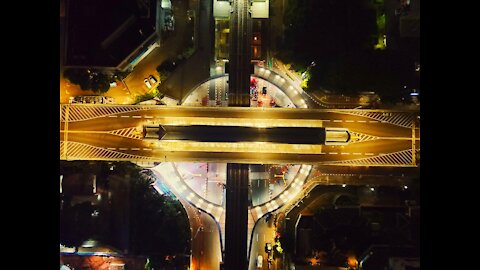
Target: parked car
{"type": "Point", "coordinates": [268, 247]}
{"type": "Point", "coordinates": [147, 83]}
{"type": "Point", "coordinates": [152, 79]}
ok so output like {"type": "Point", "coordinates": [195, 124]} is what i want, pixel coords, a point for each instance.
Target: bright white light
{"type": "Point", "coordinates": [372, 189]}
{"type": "Point", "coordinates": [344, 185]}
{"type": "Point", "coordinates": [261, 69]}
{"type": "Point", "coordinates": [405, 187]}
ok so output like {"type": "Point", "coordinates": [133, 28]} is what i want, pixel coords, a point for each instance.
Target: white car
{"type": "Point", "coordinates": [147, 83]}
{"type": "Point", "coordinates": [259, 261]}
{"type": "Point", "coordinates": [152, 79]}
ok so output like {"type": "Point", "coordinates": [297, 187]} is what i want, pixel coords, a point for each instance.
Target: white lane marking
{"type": "Point", "coordinates": [147, 149]}
{"type": "Point", "coordinates": [135, 148]}
{"type": "Point", "coordinates": [322, 153]}
{"type": "Point", "coordinates": [337, 121]}
{"type": "Point", "coordinates": [325, 120]}
{"type": "Point", "coordinates": [122, 148]}
{"type": "Point", "coordinates": [112, 116]}
{"type": "Point", "coordinates": [373, 121]}
{"type": "Point", "coordinates": [345, 153]}
{"type": "Point", "coordinates": [350, 121]}
{"type": "Point", "coordinates": [125, 116]}
{"type": "Point", "coordinates": [368, 154]}
{"type": "Point", "coordinates": [357, 153]}
{"type": "Point", "coordinates": [137, 116]}
{"type": "Point", "coordinates": [361, 121]}
{"type": "Point", "coordinates": [333, 153]}
{"type": "Point", "coordinates": [111, 148]}
{"type": "Point", "coordinates": [257, 237]}
{"type": "Point", "coordinates": [384, 121]}
{"type": "Point", "coordinates": [148, 116]}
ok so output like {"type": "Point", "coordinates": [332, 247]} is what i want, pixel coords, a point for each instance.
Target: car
{"type": "Point", "coordinates": [152, 79]}
{"type": "Point", "coordinates": [268, 247]}
{"type": "Point", "coordinates": [147, 83]}
{"type": "Point", "coordinates": [259, 261]}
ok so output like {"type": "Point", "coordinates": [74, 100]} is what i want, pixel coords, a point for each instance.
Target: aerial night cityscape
{"type": "Point", "coordinates": [239, 134]}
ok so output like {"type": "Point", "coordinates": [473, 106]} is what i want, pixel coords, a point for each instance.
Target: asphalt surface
{"type": "Point", "coordinates": [101, 130]}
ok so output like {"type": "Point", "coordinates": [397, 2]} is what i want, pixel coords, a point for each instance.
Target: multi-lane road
{"type": "Point", "coordinates": [111, 132]}
{"type": "Point", "coordinates": [239, 58]}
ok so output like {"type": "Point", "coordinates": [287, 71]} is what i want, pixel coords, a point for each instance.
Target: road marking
{"type": "Point", "coordinates": [125, 116]}
{"type": "Point", "coordinates": [383, 121]}
{"type": "Point", "coordinates": [111, 148]}
{"type": "Point", "coordinates": [343, 153]}
{"type": "Point", "coordinates": [325, 120]}
{"type": "Point", "coordinates": [373, 121]}
{"type": "Point", "coordinates": [135, 148]}
{"type": "Point", "coordinates": [137, 116]}
{"type": "Point", "coordinates": [357, 153]}
{"type": "Point", "coordinates": [148, 116]}
{"type": "Point", "coordinates": [361, 121]}
{"type": "Point", "coordinates": [122, 148]}
{"type": "Point", "coordinates": [333, 153]}
{"type": "Point", "coordinates": [368, 154]}
{"type": "Point", "coordinates": [350, 121]}
{"type": "Point", "coordinates": [337, 121]}
{"type": "Point", "coordinates": [147, 149]}
{"type": "Point", "coordinates": [112, 116]}
{"type": "Point", "coordinates": [322, 153]}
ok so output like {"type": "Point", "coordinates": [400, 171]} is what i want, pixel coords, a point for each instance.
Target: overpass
{"type": "Point", "coordinates": [115, 132]}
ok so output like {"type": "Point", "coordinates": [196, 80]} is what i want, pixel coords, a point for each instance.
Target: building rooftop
{"type": "Point", "coordinates": [104, 33]}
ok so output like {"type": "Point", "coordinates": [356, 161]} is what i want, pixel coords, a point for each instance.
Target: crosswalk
{"type": "Point", "coordinates": [402, 119]}
{"type": "Point", "coordinates": [131, 133]}
{"type": "Point", "coordinates": [82, 151]}
{"type": "Point", "coordinates": [397, 159]}
{"type": "Point", "coordinates": [82, 112]}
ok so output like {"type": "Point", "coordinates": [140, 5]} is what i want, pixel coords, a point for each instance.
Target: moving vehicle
{"type": "Point", "coordinates": [259, 261]}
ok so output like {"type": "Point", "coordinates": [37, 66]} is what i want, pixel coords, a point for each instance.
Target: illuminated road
{"type": "Point", "coordinates": [263, 233]}
{"type": "Point", "coordinates": [109, 132]}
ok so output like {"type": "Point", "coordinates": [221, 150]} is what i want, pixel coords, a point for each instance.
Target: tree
{"type": "Point", "coordinates": [158, 223]}
{"type": "Point", "coordinates": [89, 79]}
